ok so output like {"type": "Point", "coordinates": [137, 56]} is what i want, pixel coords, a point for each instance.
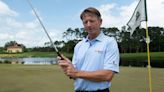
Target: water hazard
{"type": "Point", "coordinates": [30, 60]}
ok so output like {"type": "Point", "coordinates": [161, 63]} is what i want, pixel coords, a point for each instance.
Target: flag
{"type": "Point", "coordinates": [139, 15]}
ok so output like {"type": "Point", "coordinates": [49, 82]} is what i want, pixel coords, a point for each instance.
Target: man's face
{"type": "Point", "coordinates": [91, 23]}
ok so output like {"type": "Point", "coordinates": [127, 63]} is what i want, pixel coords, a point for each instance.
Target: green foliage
{"type": "Point", "coordinates": [7, 62]}
{"type": "Point", "coordinates": [1, 50]}
{"type": "Point", "coordinates": [77, 33]}
{"type": "Point", "coordinates": [127, 43]}
{"type": "Point", "coordinates": [69, 46]}
{"type": "Point", "coordinates": [34, 54]}
{"type": "Point", "coordinates": [12, 43]}
{"type": "Point", "coordinates": [157, 38]}
{"type": "Point", "coordinates": [140, 59]}
{"type": "Point", "coordinates": [133, 59]}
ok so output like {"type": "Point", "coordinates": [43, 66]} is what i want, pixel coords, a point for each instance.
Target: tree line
{"type": "Point", "coordinates": [127, 43]}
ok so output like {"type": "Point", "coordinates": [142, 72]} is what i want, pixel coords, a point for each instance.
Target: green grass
{"type": "Point", "coordinates": [50, 78]}
{"type": "Point", "coordinates": [33, 54]}
{"type": "Point", "coordinates": [143, 56]}
{"type": "Point", "coordinates": [33, 78]}
{"type": "Point", "coordinates": [124, 56]}
{"type": "Point", "coordinates": [133, 79]}
{"type": "Point", "coordinates": [30, 54]}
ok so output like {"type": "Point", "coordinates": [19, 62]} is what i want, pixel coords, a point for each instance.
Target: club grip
{"type": "Point", "coordinates": [58, 53]}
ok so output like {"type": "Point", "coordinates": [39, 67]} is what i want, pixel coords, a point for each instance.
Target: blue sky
{"type": "Point", "coordinates": [18, 23]}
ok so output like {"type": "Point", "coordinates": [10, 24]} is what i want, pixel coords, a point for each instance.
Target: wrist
{"type": "Point", "coordinates": [77, 75]}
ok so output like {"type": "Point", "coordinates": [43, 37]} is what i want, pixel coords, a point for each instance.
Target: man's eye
{"type": "Point", "coordinates": [85, 22]}
{"type": "Point", "coordinates": [91, 21]}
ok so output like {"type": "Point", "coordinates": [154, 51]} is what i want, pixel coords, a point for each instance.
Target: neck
{"type": "Point", "coordinates": [93, 36]}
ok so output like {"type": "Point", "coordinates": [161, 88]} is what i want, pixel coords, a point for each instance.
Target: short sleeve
{"type": "Point", "coordinates": [111, 61]}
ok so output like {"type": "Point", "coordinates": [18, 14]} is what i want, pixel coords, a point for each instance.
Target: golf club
{"type": "Point", "coordinates": [41, 23]}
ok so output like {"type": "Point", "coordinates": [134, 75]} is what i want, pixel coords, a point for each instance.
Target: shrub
{"type": "Point", "coordinates": [7, 62]}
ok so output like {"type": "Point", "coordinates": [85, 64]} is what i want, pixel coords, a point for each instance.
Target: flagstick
{"type": "Point", "coordinates": [148, 54]}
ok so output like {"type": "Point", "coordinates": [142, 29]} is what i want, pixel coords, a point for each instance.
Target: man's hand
{"type": "Point", "coordinates": [67, 67]}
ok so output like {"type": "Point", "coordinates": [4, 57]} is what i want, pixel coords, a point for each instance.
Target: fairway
{"type": "Point", "coordinates": [33, 78]}
{"type": "Point", "coordinates": [49, 78]}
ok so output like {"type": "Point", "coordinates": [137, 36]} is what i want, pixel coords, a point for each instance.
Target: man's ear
{"type": "Point", "coordinates": [101, 21]}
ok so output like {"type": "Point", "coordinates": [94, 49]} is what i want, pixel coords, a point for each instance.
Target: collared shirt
{"type": "Point", "coordinates": [97, 54]}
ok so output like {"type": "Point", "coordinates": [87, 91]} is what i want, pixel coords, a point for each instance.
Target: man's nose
{"type": "Point", "coordinates": [88, 23]}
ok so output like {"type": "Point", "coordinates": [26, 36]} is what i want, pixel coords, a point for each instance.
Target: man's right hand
{"type": "Point", "coordinates": [67, 67]}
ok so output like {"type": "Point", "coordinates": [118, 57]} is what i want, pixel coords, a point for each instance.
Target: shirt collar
{"type": "Point", "coordinates": [98, 38]}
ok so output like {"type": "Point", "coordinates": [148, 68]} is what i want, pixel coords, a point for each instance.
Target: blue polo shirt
{"type": "Point", "coordinates": [97, 54]}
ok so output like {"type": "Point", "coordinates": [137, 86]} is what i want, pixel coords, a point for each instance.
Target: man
{"type": "Point", "coordinates": [95, 59]}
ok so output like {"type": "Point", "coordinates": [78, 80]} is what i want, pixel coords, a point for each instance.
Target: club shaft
{"type": "Point", "coordinates": [41, 23]}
